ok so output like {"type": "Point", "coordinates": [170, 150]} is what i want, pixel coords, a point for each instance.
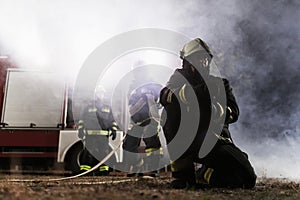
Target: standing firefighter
{"type": "Point", "coordinates": [144, 114]}
{"type": "Point", "coordinates": [225, 165]}
{"type": "Point", "coordinates": [96, 125]}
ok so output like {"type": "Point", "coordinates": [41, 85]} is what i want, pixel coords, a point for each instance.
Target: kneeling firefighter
{"type": "Point", "coordinates": [95, 126]}
{"type": "Point", "coordinates": [225, 165]}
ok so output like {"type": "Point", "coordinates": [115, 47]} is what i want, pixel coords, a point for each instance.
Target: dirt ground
{"type": "Point", "coordinates": [118, 186]}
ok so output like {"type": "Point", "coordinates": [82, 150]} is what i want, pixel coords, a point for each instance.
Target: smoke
{"type": "Point", "coordinates": [59, 35]}
{"type": "Point", "coordinates": [267, 85]}
{"type": "Point", "coordinates": [269, 47]}
{"type": "Point", "coordinates": [255, 45]}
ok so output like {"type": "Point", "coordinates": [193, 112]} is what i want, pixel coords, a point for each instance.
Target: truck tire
{"type": "Point", "coordinates": [72, 158]}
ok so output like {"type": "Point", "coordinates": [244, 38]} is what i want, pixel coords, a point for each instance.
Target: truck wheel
{"type": "Point", "coordinates": [72, 158]}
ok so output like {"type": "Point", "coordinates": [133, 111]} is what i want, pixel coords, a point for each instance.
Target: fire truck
{"type": "Point", "coordinates": [34, 130]}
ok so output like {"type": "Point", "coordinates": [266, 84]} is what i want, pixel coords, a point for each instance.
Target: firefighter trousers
{"type": "Point", "coordinates": [96, 148]}
{"type": "Point", "coordinates": [132, 142]}
{"type": "Point", "coordinates": [227, 166]}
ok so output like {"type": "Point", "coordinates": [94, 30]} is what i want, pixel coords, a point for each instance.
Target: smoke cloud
{"type": "Point", "coordinates": [255, 44]}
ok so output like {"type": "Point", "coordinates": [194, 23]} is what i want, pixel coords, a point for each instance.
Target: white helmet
{"type": "Point", "coordinates": [195, 46]}
{"type": "Point", "coordinates": [100, 92]}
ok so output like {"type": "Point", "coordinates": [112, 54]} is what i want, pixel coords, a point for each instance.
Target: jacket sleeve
{"type": "Point", "coordinates": [232, 110]}
{"type": "Point", "coordinates": [113, 123]}
{"type": "Point", "coordinates": [167, 94]}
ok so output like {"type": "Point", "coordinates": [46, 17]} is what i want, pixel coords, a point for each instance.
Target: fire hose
{"type": "Point", "coordinates": [108, 156]}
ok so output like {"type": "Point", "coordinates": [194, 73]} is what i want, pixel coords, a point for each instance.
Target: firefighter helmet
{"type": "Point", "coordinates": [100, 92]}
{"type": "Point", "coordinates": [195, 46]}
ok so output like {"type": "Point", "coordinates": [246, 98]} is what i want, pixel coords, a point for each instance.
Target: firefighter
{"type": "Point", "coordinates": [144, 114]}
{"type": "Point", "coordinates": [225, 165]}
{"type": "Point", "coordinates": [95, 126]}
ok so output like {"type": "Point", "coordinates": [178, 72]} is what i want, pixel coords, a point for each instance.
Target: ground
{"type": "Point", "coordinates": [118, 186]}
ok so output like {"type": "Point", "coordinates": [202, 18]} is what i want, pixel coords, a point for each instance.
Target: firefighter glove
{"type": "Point", "coordinates": [81, 133]}
{"type": "Point", "coordinates": [113, 134]}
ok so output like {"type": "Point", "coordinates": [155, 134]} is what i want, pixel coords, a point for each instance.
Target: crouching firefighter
{"type": "Point", "coordinates": [225, 165]}
{"type": "Point", "coordinates": [95, 126]}
{"type": "Point", "coordinates": [144, 113]}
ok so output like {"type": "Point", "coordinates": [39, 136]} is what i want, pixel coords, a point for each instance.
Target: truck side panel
{"type": "Point", "coordinates": [29, 143]}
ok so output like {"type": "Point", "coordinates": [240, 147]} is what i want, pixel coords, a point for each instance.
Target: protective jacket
{"type": "Point", "coordinates": [96, 118]}
{"type": "Point", "coordinates": [175, 95]}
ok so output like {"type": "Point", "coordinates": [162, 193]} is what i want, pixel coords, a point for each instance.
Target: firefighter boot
{"type": "Point", "coordinates": [183, 171]}
{"type": "Point", "coordinates": [183, 179]}
{"type": "Point", "coordinates": [84, 168]}
{"type": "Point", "coordinates": [103, 171]}
{"type": "Point", "coordinates": [152, 163]}
{"type": "Point", "coordinates": [136, 170]}
{"type": "Point", "coordinates": [203, 176]}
